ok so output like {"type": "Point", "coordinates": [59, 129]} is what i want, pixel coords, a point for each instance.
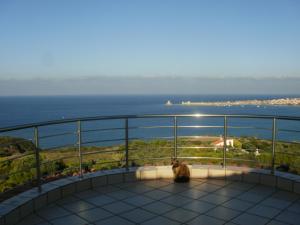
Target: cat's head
{"type": "Point", "coordinates": [175, 162]}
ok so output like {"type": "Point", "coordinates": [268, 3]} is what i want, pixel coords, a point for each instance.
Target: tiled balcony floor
{"type": "Point", "coordinates": [164, 202]}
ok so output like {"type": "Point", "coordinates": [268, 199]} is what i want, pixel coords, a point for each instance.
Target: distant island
{"type": "Point", "coordinates": [280, 101]}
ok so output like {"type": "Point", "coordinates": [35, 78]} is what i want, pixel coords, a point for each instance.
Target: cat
{"type": "Point", "coordinates": [181, 172]}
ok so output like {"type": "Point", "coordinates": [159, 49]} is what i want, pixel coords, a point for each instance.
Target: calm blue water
{"type": "Point", "coordinates": [21, 110]}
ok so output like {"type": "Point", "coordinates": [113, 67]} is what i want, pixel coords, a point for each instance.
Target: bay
{"type": "Point", "coordinates": [16, 110]}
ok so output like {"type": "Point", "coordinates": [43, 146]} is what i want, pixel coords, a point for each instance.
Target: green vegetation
{"type": "Point", "coordinates": [17, 158]}
{"type": "Point", "coordinates": [13, 146]}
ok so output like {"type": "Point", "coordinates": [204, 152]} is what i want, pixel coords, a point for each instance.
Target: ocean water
{"type": "Point", "coordinates": [22, 110]}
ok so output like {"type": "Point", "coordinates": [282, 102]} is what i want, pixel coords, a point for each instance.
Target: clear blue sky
{"type": "Point", "coordinates": [215, 38]}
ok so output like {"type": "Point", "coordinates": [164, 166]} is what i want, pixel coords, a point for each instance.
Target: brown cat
{"type": "Point", "coordinates": [181, 172]}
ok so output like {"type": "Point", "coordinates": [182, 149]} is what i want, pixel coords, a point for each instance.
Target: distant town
{"type": "Point", "coordinates": [280, 101]}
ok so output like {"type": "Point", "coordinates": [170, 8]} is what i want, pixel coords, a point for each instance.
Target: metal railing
{"type": "Point", "coordinates": [126, 129]}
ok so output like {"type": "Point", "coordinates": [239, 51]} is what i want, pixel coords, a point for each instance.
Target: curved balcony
{"type": "Point", "coordinates": [115, 170]}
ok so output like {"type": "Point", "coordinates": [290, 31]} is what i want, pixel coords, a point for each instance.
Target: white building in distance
{"type": "Point", "coordinates": [220, 143]}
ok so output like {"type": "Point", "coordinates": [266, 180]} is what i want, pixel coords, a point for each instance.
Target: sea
{"type": "Point", "coordinates": [18, 110]}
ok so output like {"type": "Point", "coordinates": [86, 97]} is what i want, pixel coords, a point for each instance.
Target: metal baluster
{"type": "Point", "coordinates": [225, 142]}
{"type": "Point", "coordinates": [175, 138]}
{"type": "Point", "coordinates": [37, 158]}
{"type": "Point", "coordinates": [126, 144]}
{"type": "Point", "coordinates": [79, 147]}
{"type": "Point", "coordinates": [274, 134]}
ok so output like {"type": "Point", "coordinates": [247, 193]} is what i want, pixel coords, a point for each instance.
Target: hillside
{"type": "Point", "coordinates": [17, 164]}
{"type": "Point", "coordinates": [13, 146]}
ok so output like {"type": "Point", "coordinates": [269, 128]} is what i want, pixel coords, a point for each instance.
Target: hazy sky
{"type": "Point", "coordinates": [72, 39]}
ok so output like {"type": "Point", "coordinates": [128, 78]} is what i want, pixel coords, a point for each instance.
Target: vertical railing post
{"type": "Point", "coordinates": [274, 133]}
{"type": "Point", "coordinates": [79, 147]}
{"type": "Point", "coordinates": [225, 142]}
{"type": "Point", "coordinates": [37, 158]}
{"type": "Point", "coordinates": [126, 145]}
{"type": "Point", "coordinates": [175, 138]}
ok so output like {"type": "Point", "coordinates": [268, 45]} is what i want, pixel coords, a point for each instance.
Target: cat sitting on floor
{"type": "Point", "coordinates": [181, 171]}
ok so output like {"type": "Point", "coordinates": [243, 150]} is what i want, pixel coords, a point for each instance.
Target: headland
{"type": "Point", "coordinates": [264, 102]}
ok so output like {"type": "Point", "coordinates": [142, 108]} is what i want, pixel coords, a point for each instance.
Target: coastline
{"type": "Point", "coordinates": [279, 102]}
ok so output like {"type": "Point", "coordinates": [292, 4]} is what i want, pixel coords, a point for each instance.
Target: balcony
{"type": "Point", "coordinates": [230, 186]}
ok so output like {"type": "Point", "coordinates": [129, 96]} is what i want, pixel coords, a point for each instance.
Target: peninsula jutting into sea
{"type": "Point", "coordinates": [280, 101]}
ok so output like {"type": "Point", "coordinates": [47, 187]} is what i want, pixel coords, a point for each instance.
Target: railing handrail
{"type": "Point", "coordinates": [115, 117]}
{"type": "Point", "coordinates": [126, 128]}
